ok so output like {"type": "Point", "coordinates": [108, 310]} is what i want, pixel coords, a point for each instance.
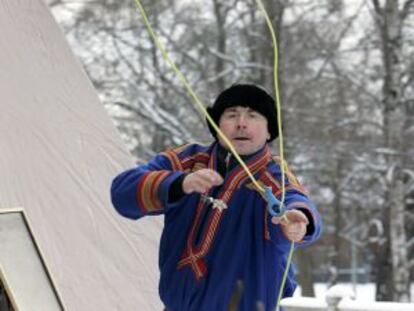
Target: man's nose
{"type": "Point", "coordinates": [241, 121]}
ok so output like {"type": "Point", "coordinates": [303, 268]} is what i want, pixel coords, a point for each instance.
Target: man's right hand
{"type": "Point", "coordinates": [201, 181]}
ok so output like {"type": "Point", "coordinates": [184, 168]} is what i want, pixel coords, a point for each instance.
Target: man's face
{"type": "Point", "coordinates": [245, 128]}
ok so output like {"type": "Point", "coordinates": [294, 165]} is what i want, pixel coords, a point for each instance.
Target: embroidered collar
{"type": "Point", "coordinates": [194, 253]}
{"type": "Point", "coordinates": [232, 169]}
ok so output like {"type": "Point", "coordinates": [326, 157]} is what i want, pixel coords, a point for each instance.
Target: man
{"type": "Point", "coordinates": [207, 246]}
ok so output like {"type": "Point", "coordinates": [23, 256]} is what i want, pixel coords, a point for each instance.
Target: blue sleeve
{"type": "Point", "coordinates": [144, 190]}
{"type": "Point", "coordinates": [298, 200]}
{"type": "Point", "coordinates": [296, 197]}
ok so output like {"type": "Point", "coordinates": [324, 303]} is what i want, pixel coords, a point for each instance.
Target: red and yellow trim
{"type": "Point", "coordinates": [292, 179]}
{"type": "Point", "coordinates": [147, 190]}
{"type": "Point", "coordinates": [193, 254]}
{"type": "Point", "coordinates": [172, 156]}
{"type": "Point", "coordinates": [198, 160]}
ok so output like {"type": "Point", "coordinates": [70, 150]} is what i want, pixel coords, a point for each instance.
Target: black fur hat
{"type": "Point", "coordinates": [246, 95]}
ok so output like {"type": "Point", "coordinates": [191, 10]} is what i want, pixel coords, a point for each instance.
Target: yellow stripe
{"type": "Point", "coordinates": [149, 190]}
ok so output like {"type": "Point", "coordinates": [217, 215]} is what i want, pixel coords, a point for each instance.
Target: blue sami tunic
{"type": "Point", "coordinates": [204, 252]}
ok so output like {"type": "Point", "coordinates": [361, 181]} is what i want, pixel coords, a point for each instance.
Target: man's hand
{"type": "Point", "coordinates": [293, 224]}
{"type": "Point", "coordinates": [201, 181]}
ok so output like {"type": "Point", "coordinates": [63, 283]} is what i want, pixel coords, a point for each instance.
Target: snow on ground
{"type": "Point", "coordinates": [363, 292]}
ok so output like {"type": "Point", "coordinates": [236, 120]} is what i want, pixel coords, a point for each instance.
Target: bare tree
{"type": "Point", "coordinates": [393, 280]}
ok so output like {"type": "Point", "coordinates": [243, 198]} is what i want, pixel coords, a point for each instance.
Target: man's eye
{"type": "Point", "coordinates": [231, 115]}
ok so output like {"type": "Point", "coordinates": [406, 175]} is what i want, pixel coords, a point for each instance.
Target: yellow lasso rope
{"type": "Point", "coordinates": [281, 149]}
{"type": "Point", "coordinates": [277, 96]}
{"type": "Point", "coordinates": [200, 105]}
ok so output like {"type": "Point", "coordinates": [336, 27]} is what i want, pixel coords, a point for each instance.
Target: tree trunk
{"type": "Point", "coordinates": [335, 257]}
{"type": "Point", "coordinates": [305, 277]}
{"type": "Point", "coordinates": [393, 277]}
{"type": "Point", "coordinates": [221, 42]}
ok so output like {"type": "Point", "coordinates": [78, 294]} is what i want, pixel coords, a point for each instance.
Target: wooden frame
{"type": "Point", "coordinates": [5, 284]}
{"type": "Point", "coordinates": [24, 235]}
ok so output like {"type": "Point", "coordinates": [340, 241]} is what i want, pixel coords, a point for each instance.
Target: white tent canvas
{"type": "Point", "coordinates": [59, 153]}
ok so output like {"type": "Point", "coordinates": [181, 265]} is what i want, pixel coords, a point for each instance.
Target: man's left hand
{"type": "Point", "coordinates": [293, 224]}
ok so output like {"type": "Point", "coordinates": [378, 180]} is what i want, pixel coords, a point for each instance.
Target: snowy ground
{"type": "Point", "coordinates": [365, 292]}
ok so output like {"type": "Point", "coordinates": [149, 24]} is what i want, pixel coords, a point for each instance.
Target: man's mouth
{"type": "Point", "coordinates": [241, 138]}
